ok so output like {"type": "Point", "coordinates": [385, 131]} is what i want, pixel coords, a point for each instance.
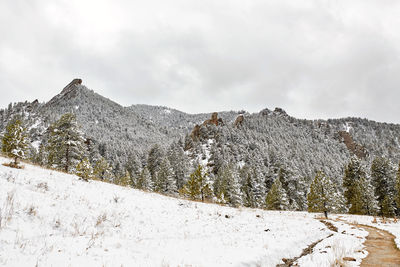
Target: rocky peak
{"type": "Point", "coordinates": [71, 86]}
{"type": "Point", "coordinates": [214, 120]}
{"type": "Point", "coordinates": [280, 111]}
{"type": "Point", "coordinates": [69, 91]}
{"type": "Point", "coordinates": [265, 112]}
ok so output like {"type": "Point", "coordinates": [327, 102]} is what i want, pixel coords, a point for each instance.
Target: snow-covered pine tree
{"type": "Point", "coordinates": [143, 182]}
{"type": "Point", "coordinates": [165, 182]}
{"type": "Point", "coordinates": [155, 157]}
{"type": "Point", "coordinates": [398, 189]}
{"type": "Point", "coordinates": [363, 201]}
{"type": "Point", "coordinates": [247, 186]}
{"type": "Point", "coordinates": [15, 141]}
{"type": "Point", "coordinates": [352, 174]}
{"type": "Point", "coordinates": [276, 198]}
{"type": "Point", "coordinates": [229, 187]}
{"type": "Point", "coordinates": [102, 170]}
{"type": "Point", "coordinates": [383, 182]}
{"type": "Point", "coordinates": [179, 164]}
{"type": "Point", "coordinates": [66, 143]}
{"type": "Point", "coordinates": [320, 197]}
{"type": "Point", "coordinates": [84, 169]}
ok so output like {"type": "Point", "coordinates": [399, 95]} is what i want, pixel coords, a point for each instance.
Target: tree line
{"type": "Point", "coordinates": [373, 190]}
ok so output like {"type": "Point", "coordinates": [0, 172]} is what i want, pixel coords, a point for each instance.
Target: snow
{"type": "Point", "coordinates": [346, 242]}
{"type": "Point", "coordinates": [167, 111]}
{"type": "Point", "coordinates": [206, 151]}
{"type": "Point", "coordinates": [35, 125]}
{"type": "Point", "coordinates": [36, 144]}
{"type": "Point", "coordinates": [348, 127]}
{"type": "Point", "coordinates": [58, 220]}
{"type": "Point", "coordinates": [388, 225]}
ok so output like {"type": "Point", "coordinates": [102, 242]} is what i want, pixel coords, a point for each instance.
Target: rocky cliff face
{"type": "Point", "coordinates": [352, 146]}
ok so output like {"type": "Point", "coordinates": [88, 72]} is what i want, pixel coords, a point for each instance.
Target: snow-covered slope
{"type": "Point", "coordinates": [54, 219]}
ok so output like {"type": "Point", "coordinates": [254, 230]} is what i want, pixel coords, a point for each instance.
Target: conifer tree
{"type": "Point", "coordinates": [124, 180]}
{"type": "Point", "coordinates": [198, 185]}
{"type": "Point", "coordinates": [387, 209]}
{"type": "Point", "coordinates": [320, 195]}
{"type": "Point", "coordinates": [84, 170]}
{"type": "Point", "coordinates": [383, 182]}
{"type": "Point", "coordinates": [144, 180]}
{"type": "Point", "coordinates": [363, 200]}
{"type": "Point", "coordinates": [65, 145]}
{"type": "Point", "coordinates": [102, 170]}
{"type": "Point", "coordinates": [165, 182]}
{"type": "Point", "coordinates": [155, 157]}
{"type": "Point", "coordinates": [352, 175]}
{"type": "Point", "coordinates": [276, 198]}
{"type": "Point", "coordinates": [14, 142]}
{"type": "Point", "coordinates": [248, 187]}
{"type": "Point", "coordinates": [229, 187]}
{"type": "Point", "coordinates": [398, 188]}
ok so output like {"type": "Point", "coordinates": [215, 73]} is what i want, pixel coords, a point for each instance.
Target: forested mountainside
{"type": "Point", "coordinates": [251, 149]}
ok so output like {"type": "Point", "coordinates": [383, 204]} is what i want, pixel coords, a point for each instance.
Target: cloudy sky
{"type": "Point", "coordinates": [315, 59]}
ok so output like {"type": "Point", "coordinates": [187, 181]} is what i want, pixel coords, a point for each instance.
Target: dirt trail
{"type": "Point", "coordinates": [381, 248]}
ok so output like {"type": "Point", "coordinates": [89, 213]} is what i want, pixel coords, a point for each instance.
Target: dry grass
{"type": "Point", "coordinates": [7, 211]}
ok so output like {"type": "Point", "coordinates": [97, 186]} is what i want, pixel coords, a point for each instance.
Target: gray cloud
{"type": "Point", "coordinates": [316, 59]}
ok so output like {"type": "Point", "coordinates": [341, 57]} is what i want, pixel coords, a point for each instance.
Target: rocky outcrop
{"type": "Point", "coordinates": [352, 146]}
{"type": "Point", "coordinates": [195, 132]}
{"type": "Point", "coordinates": [239, 120]}
{"type": "Point", "coordinates": [69, 91]}
{"type": "Point", "coordinates": [214, 120]}
{"type": "Point", "coordinates": [70, 87]}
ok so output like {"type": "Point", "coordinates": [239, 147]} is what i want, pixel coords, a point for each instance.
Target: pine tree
{"type": "Point", "coordinates": [319, 197]}
{"type": "Point", "coordinates": [247, 187]}
{"type": "Point", "coordinates": [124, 180]}
{"type": "Point", "coordinates": [14, 142]}
{"type": "Point", "coordinates": [276, 198]}
{"type": "Point", "coordinates": [198, 185]}
{"type": "Point", "coordinates": [155, 157]}
{"type": "Point", "coordinates": [383, 182]}
{"type": "Point", "coordinates": [144, 180]}
{"type": "Point", "coordinates": [228, 191]}
{"type": "Point", "coordinates": [398, 188]}
{"type": "Point", "coordinates": [363, 201]}
{"type": "Point", "coordinates": [387, 208]}
{"type": "Point", "coordinates": [165, 182]}
{"type": "Point", "coordinates": [84, 170]}
{"type": "Point", "coordinates": [102, 170]}
{"type": "Point", "coordinates": [65, 145]}
{"type": "Point", "coordinates": [352, 175]}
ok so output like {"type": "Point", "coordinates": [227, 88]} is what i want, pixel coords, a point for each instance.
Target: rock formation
{"type": "Point", "coordinates": [214, 120]}
{"type": "Point", "coordinates": [239, 120]}
{"type": "Point", "coordinates": [352, 146]}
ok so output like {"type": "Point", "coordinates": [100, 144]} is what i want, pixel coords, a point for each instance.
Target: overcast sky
{"type": "Point", "coordinates": [315, 59]}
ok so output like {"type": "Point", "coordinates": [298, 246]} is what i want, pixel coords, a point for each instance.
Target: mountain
{"type": "Point", "coordinates": [264, 145]}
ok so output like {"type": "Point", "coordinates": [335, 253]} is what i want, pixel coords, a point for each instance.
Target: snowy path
{"type": "Point", "coordinates": [381, 248]}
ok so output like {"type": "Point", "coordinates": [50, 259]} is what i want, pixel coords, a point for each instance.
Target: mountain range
{"type": "Point", "coordinates": [269, 140]}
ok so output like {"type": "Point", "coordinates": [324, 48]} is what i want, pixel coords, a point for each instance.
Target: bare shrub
{"type": "Point", "coordinates": [7, 211]}
{"type": "Point", "coordinates": [101, 218]}
{"type": "Point", "coordinates": [31, 210]}
{"type": "Point", "coordinates": [42, 186]}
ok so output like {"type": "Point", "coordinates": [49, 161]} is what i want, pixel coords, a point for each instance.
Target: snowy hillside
{"type": "Point", "coordinates": [54, 219]}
